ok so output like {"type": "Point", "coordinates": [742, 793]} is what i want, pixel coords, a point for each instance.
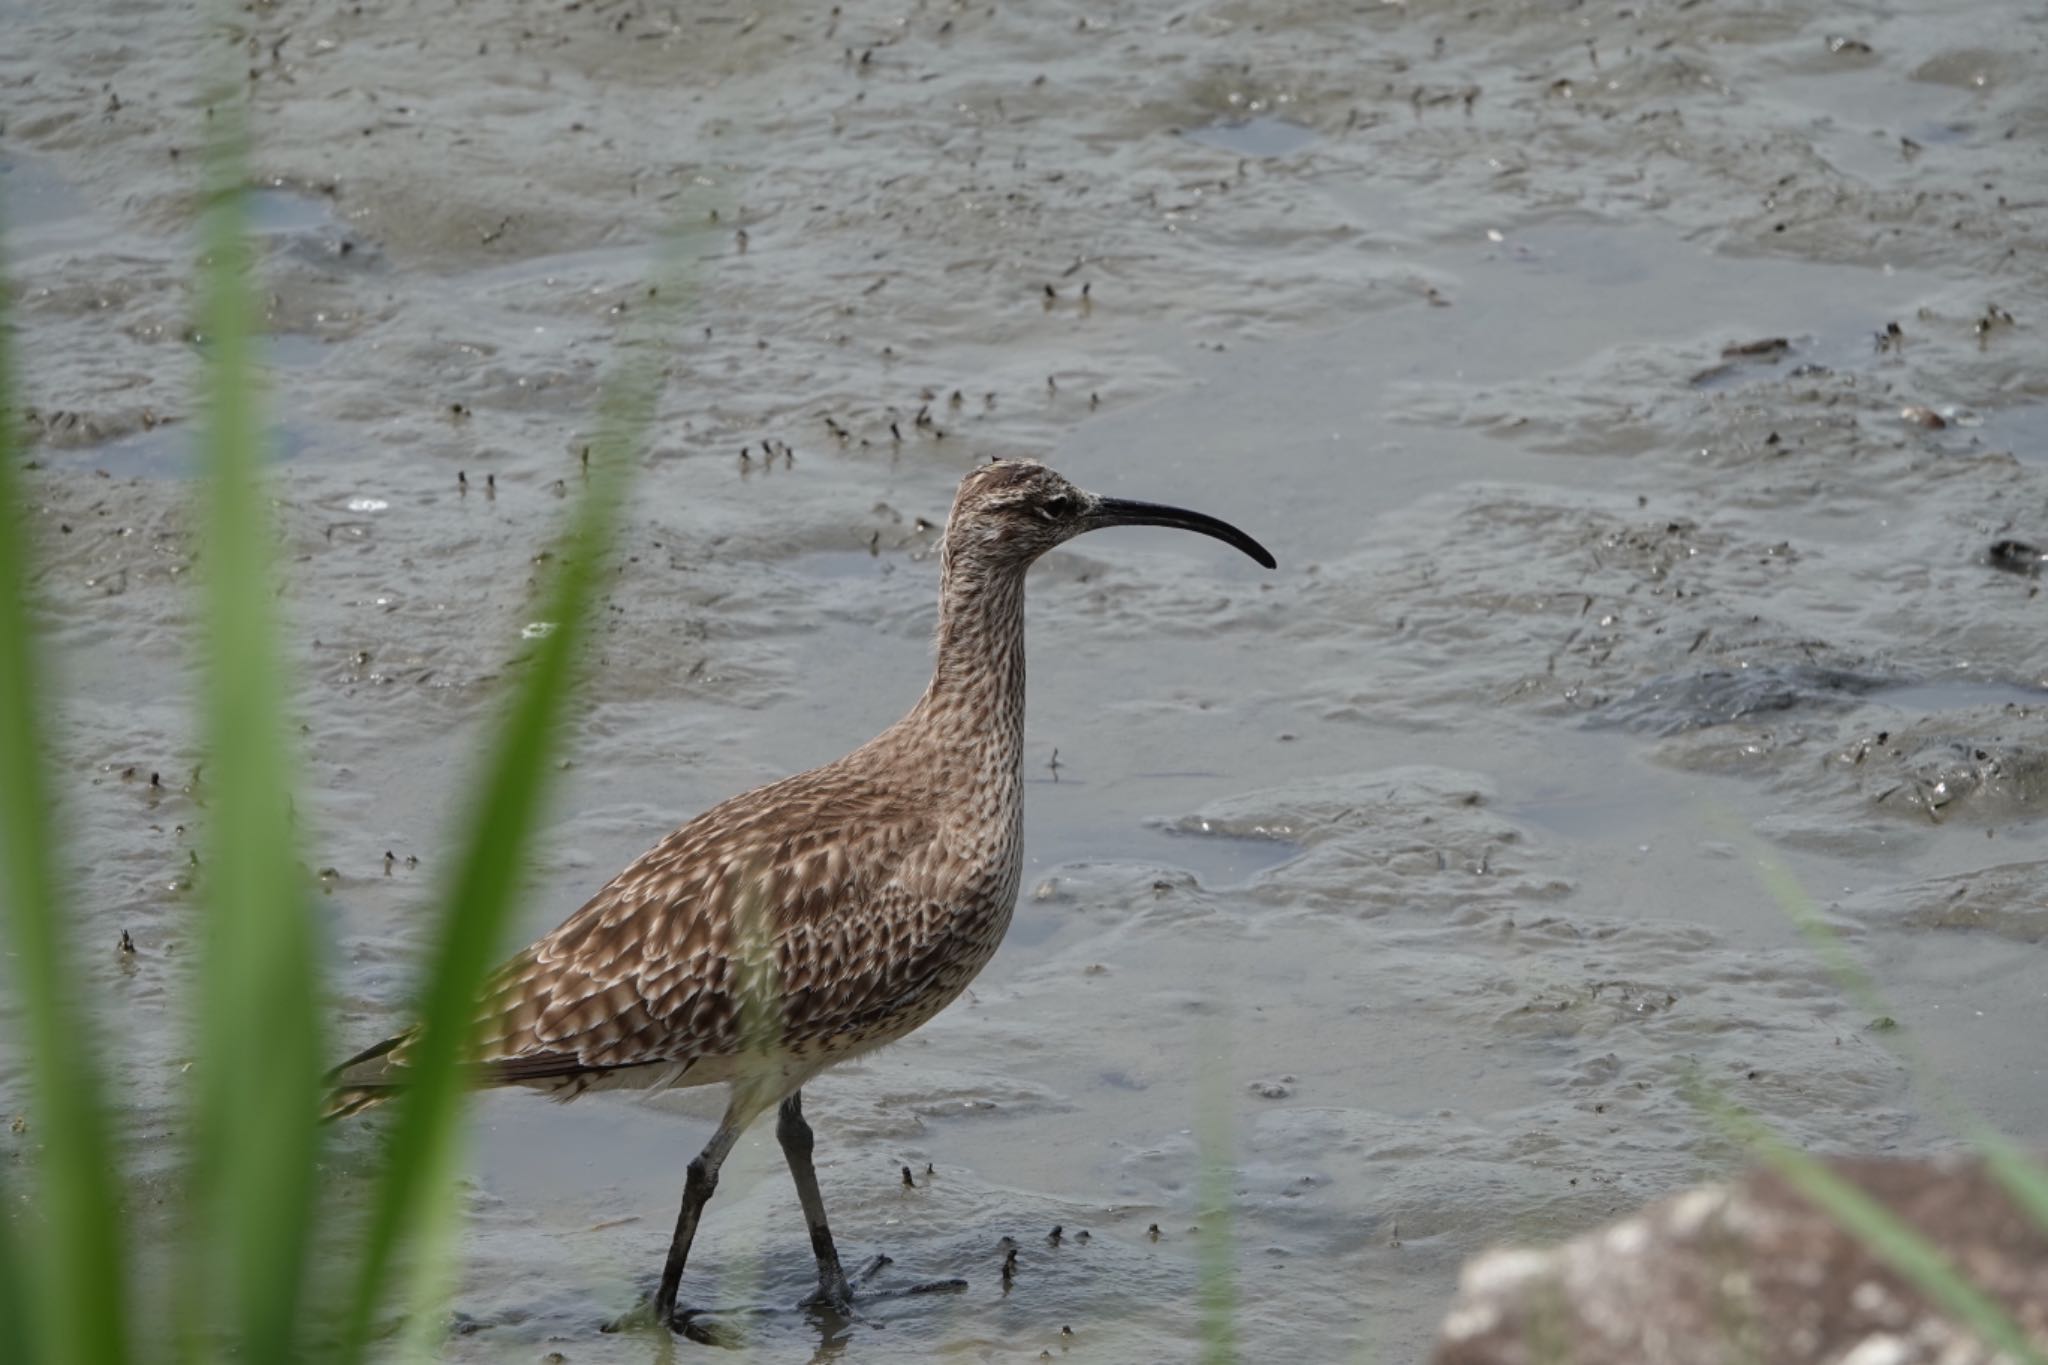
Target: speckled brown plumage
{"type": "Point", "coordinates": [820, 916]}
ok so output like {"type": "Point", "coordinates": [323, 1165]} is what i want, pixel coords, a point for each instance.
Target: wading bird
{"type": "Point", "coordinates": [815, 918]}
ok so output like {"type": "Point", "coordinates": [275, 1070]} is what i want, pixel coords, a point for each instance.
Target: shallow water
{"type": "Point", "coordinates": [1423, 857]}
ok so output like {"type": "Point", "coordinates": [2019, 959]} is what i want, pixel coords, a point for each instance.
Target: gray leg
{"type": "Point", "coordinates": [795, 1135]}
{"type": "Point", "coordinates": [697, 1188]}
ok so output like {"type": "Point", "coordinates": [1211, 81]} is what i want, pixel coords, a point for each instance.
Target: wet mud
{"type": "Point", "coordinates": [1637, 402]}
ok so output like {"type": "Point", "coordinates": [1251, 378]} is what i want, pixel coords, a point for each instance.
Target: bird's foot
{"type": "Point", "coordinates": [698, 1324]}
{"type": "Point", "coordinates": [695, 1323]}
{"type": "Point", "coordinates": [703, 1327]}
{"type": "Point", "coordinates": [644, 1315]}
{"type": "Point", "coordinates": [835, 1294]}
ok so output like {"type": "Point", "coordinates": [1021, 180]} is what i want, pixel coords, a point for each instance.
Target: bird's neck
{"type": "Point", "coordinates": [974, 707]}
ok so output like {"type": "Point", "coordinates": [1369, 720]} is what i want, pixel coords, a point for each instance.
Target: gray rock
{"type": "Point", "coordinates": [1751, 1272]}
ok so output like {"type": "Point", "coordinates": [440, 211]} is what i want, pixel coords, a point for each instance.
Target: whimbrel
{"type": "Point", "coordinates": [815, 918]}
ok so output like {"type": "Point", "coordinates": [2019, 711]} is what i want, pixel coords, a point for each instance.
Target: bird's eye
{"type": "Point", "coordinates": [1058, 507]}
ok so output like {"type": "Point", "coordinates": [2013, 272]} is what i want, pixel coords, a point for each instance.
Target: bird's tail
{"type": "Point", "coordinates": [367, 1079]}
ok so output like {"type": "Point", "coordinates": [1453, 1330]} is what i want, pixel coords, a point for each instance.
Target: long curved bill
{"type": "Point", "coordinates": [1127, 512]}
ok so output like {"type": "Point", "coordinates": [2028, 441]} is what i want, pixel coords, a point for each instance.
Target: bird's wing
{"type": "Point", "coordinates": [795, 912]}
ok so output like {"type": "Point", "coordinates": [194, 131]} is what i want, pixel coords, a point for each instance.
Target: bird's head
{"type": "Point", "coordinates": [1009, 512]}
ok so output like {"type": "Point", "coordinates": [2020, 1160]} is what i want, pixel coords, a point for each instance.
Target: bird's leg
{"type": "Point", "coordinates": [697, 1188]}
{"type": "Point", "coordinates": [795, 1135]}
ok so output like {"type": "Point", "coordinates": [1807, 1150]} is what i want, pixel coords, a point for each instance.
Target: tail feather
{"type": "Point", "coordinates": [377, 1073]}
{"type": "Point", "coordinates": [366, 1079]}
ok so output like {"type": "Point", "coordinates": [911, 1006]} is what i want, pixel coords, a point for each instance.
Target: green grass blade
{"type": "Point", "coordinates": [17, 1326]}
{"type": "Point", "coordinates": [1216, 1268]}
{"type": "Point", "coordinates": [2023, 1177]}
{"type": "Point", "coordinates": [83, 1281]}
{"type": "Point", "coordinates": [1881, 1232]}
{"type": "Point", "coordinates": [2013, 1168]}
{"type": "Point", "coordinates": [493, 864]}
{"type": "Point", "coordinates": [260, 1051]}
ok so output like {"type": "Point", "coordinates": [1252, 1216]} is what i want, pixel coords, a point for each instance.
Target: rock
{"type": "Point", "coordinates": [1752, 1272]}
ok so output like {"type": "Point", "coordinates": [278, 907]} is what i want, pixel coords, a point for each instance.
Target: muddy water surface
{"type": "Point", "coordinates": [1632, 396]}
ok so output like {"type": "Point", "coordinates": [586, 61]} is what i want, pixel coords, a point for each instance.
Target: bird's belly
{"type": "Point", "coordinates": [926, 982]}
